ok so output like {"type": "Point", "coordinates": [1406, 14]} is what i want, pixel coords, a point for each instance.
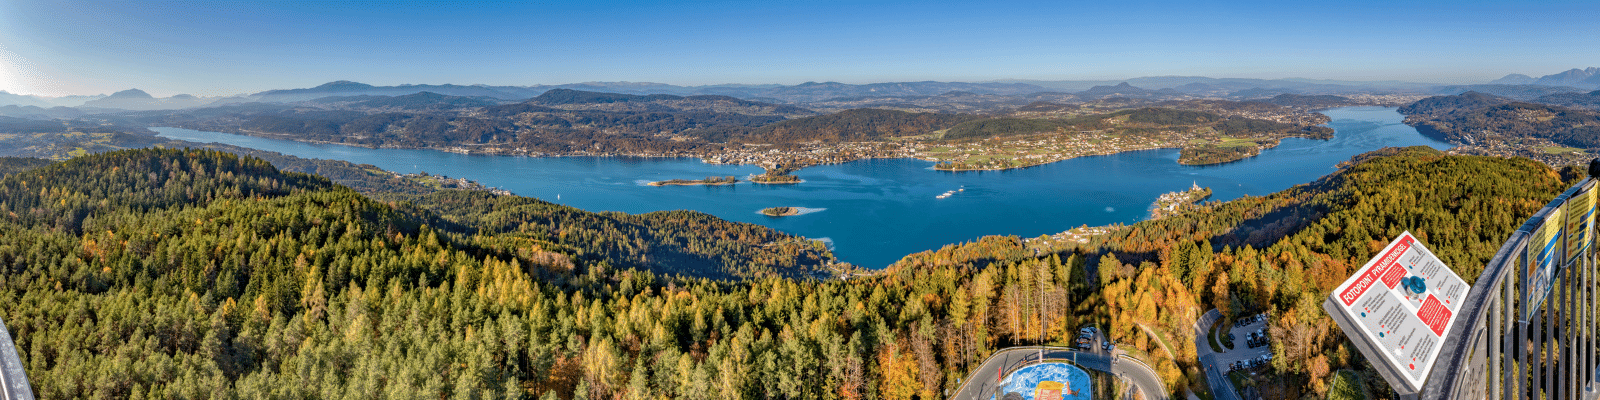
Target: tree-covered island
{"type": "Point", "coordinates": [710, 180]}
{"type": "Point", "coordinates": [781, 211]}
{"type": "Point", "coordinates": [777, 175]}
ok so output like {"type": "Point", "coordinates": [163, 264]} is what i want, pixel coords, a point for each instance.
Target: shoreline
{"type": "Point", "coordinates": [706, 158]}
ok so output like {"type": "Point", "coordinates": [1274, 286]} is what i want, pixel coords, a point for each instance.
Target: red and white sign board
{"type": "Point", "coordinates": [1405, 300]}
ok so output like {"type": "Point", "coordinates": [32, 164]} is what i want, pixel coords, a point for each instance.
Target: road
{"type": "Point", "coordinates": [1221, 387]}
{"type": "Point", "coordinates": [13, 380]}
{"type": "Point", "coordinates": [984, 382]}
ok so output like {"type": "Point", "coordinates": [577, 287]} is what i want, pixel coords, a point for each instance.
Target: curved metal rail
{"type": "Point", "coordinates": [13, 380]}
{"type": "Point", "coordinates": [1507, 347]}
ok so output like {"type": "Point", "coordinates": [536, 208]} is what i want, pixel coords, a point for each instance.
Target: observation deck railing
{"type": "Point", "coordinates": [1505, 346]}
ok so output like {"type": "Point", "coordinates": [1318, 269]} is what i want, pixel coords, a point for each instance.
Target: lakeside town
{"type": "Point", "coordinates": [1172, 203]}
{"type": "Point", "coordinates": [996, 154]}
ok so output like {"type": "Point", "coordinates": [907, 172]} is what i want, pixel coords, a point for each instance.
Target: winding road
{"type": "Point", "coordinates": [1221, 387]}
{"type": "Point", "coordinates": [984, 382]}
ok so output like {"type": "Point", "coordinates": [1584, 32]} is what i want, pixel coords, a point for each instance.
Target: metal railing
{"type": "Point", "coordinates": [13, 380]}
{"type": "Point", "coordinates": [1510, 345]}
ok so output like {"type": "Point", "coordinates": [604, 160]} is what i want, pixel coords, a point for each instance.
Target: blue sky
{"type": "Point", "coordinates": [230, 47]}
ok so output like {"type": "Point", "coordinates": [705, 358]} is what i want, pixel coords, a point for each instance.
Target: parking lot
{"type": "Point", "coordinates": [1090, 339]}
{"type": "Point", "coordinates": [1245, 330]}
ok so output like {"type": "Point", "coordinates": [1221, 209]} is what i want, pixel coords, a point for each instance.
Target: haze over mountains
{"type": "Point", "coordinates": [835, 95]}
{"type": "Point", "coordinates": [1581, 78]}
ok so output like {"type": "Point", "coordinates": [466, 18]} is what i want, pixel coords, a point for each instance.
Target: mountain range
{"type": "Point", "coordinates": [834, 95]}
{"type": "Point", "coordinates": [1588, 78]}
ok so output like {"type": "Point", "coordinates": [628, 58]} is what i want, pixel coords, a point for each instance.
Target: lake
{"type": "Point", "coordinates": [875, 211]}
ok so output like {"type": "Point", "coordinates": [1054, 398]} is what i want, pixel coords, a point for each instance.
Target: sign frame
{"type": "Point", "coordinates": [1404, 297]}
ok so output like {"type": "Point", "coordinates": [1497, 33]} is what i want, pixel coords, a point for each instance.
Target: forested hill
{"type": "Point", "coordinates": [863, 124]}
{"type": "Point", "coordinates": [569, 99]}
{"type": "Point", "coordinates": [1143, 119]}
{"type": "Point", "coordinates": [284, 285]}
{"type": "Point", "coordinates": [1474, 118]}
{"type": "Point", "coordinates": [89, 189]}
{"type": "Point", "coordinates": [12, 165]}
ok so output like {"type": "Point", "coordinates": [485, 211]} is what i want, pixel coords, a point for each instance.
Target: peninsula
{"type": "Point", "coordinates": [1174, 202]}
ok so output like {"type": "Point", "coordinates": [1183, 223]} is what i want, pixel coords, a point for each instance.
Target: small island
{"type": "Point", "coordinates": [710, 180]}
{"type": "Point", "coordinates": [1226, 151]}
{"type": "Point", "coordinates": [781, 211]}
{"type": "Point", "coordinates": [777, 175]}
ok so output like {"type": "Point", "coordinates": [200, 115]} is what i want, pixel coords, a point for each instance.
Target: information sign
{"type": "Point", "coordinates": [1544, 256]}
{"type": "Point", "coordinates": [1580, 216]}
{"type": "Point", "coordinates": [1401, 304]}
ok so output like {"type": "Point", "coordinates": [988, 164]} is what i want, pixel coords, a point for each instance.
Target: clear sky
{"type": "Point", "coordinates": [211, 48]}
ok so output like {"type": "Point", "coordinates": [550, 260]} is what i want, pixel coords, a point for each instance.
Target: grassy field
{"type": "Point", "coordinates": [1560, 150]}
{"type": "Point", "coordinates": [1237, 142]}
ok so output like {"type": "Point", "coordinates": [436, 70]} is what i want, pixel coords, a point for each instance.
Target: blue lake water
{"type": "Point", "coordinates": [876, 211]}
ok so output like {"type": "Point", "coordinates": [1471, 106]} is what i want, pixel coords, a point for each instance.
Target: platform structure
{"type": "Point", "coordinates": [1528, 329]}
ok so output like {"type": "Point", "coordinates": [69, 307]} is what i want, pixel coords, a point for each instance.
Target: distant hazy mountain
{"type": "Point", "coordinates": [138, 100]}
{"type": "Point", "coordinates": [1513, 79]}
{"type": "Point", "coordinates": [1259, 93]}
{"type": "Point", "coordinates": [1160, 87]}
{"type": "Point", "coordinates": [348, 88]}
{"type": "Point", "coordinates": [814, 91]}
{"type": "Point", "coordinates": [1584, 78]}
{"type": "Point", "coordinates": [1519, 92]}
{"type": "Point", "coordinates": [1120, 90]}
{"type": "Point", "coordinates": [36, 112]}
{"type": "Point", "coordinates": [1218, 86]}
{"type": "Point", "coordinates": [429, 101]}
{"type": "Point", "coordinates": [569, 99]}
{"type": "Point", "coordinates": [7, 98]}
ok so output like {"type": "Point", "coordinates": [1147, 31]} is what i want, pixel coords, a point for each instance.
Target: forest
{"type": "Point", "coordinates": [1214, 154]}
{"type": "Point", "coordinates": [199, 274]}
{"type": "Point", "coordinates": [1473, 117]}
{"type": "Point", "coordinates": [1148, 120]}
{"type": "Point", "coordinates": [856, 125]}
